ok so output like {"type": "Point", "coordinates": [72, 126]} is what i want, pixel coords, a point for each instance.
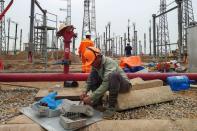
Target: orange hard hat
{"type": "Point", "coordinates": [90, 55]}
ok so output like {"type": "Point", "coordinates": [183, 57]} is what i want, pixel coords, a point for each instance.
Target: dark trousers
{"type": "Point", "coordinates": [117, 84]}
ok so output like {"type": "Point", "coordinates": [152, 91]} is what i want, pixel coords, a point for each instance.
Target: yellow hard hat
{"type": "Point", "coordinates": [90, 55]}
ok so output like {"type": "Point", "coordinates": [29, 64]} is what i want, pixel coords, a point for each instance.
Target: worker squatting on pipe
{"type": "Point", "coordinates": [67, 32]}
{"type": "Point", "coordinates": [40, 77]}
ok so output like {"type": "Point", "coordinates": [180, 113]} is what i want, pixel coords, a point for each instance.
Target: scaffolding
{"type": "Point", "coordinates": [41, 36]}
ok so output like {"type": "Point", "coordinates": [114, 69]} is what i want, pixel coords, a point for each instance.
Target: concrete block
{"type": "Point", "coordinates": [44, 111]}
{"type": "Point", "coordinates": [22, 119]}
{"type": "Point", "coordinates": [72, 124]}
{"type": "Point", "coordinates": [137, 80]}
{"type": "Point", "coordinates": [21, 127]}
{"type": "Point", "coordinates": [74, 108]}
{"type": "Point", "coordinates": [146, 84]}
{"type": "Point", "coordinates": [138, 98]}
{"type": "Point", "coordinates": [143, 125]}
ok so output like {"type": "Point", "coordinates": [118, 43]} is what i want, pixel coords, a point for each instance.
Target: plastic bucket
{"type": "Point", "coordinates": [178, 83]}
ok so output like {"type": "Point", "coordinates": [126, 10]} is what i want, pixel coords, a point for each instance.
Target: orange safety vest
{"type": "Point", "coordinates": [84, 44]}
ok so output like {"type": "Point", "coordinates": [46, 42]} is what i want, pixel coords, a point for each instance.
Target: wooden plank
{"type": "Point", "coordinates": [63, 93]}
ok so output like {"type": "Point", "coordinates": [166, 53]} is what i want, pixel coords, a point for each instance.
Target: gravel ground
{"type": "Point", "coordinates": [13, 99]}
{"type": "Point", "coordinates": [184, 106]}
{"type": "Point", "coordinates": [181, 107]}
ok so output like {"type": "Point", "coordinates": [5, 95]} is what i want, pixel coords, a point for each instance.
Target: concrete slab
{"type": "Point", "coordinates": [22, 119]}
{"type": "Point", "coordinates": [143, 125]}
{"type": "Point", "coordinates": [147, 84]}
{"type": "Point", "coordinates": [21, 127]}
{"type": "Point", "coordinates": [138, 98]}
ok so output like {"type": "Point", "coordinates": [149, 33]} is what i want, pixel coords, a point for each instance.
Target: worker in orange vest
{"type": "Point", "coordinates": [84, 44]}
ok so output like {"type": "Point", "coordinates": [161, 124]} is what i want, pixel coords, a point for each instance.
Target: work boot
{"type": "Point", "coordinates": [109, 113]}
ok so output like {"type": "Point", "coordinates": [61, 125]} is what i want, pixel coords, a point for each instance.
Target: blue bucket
{"type": "Point", "coordinates": [178, 83]}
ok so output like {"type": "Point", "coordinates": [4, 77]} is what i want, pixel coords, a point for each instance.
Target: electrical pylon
{"type": "Point", "coordinates": [86, 19]}
{"type": "Point", "coordinates": [163, 38]}
{"type": "Point", "coordinates": [68, 19]}
{"type": "Point", "coordinates": [93, 20]}
{"type": "Point", "coordinates": [188, 18]}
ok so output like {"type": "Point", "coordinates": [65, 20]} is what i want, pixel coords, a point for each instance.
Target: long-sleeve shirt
{"type": "Point", "coordinates": [108, 66]}
{"type": "Point", "coordinates": [84, 44]}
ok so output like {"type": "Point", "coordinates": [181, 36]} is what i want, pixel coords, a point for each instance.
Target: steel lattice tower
{"type": "Point", "coordinates": [86, 19]}
{"type": "Point", "coordinates": [2, 29]}
{"type": "Point", "coordinates": [163, 34]}
{"type": "Point", "coordinates": [93, 20]}
{"type": "Point", "coordinates": [68, 19]}
{"type": "Point", "coordinates": [188, 17]}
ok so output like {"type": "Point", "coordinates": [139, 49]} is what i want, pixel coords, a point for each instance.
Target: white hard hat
{"type": "Point", "coordinates": [88, 33]}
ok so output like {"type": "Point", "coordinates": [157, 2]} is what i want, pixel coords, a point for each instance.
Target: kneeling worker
{"type": "Point", "coordinates": [105, 75]}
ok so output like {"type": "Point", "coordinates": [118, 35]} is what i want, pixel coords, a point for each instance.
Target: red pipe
{"type": "Point", "coordinates": [6, 9]}
{"type": "Point", "coordinates": [38, 77]}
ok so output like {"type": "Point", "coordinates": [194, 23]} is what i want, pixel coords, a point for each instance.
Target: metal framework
{"type": "Point", "coordinates": [187, 18]}
{"type": "Point", "coordinates": [86, 19]}
{"type": "Point", "coordinates": [68, 19]}
{"type": "Point", "coordinates": [2, 29]}
{"type": "Point", "coordinates": [93, 20]}
{"type": "Point", "coordinates": [163, 44]}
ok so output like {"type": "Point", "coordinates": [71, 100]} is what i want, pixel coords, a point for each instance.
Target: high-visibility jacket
{"type": "Point", "coordinates": [84, 44]}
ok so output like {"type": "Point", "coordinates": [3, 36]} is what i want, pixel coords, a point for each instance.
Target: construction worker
{"type": "Point", "coordinates": [84, 44]}
{"type": "Point", "coordinates": [128, 50]}
{"type": "Point", "coordinates": [105, 75]}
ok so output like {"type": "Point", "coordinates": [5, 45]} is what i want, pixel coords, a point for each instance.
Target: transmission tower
{"type": "Point", "coordinates": [86, 19]}
{"type": "Point", "coordinates": [2, 29]}
{"type": "Point", "coordinates": [93, 20]}
{"type": "Point", "coordinates": [163, 38]}
{"type": "Point", "coordinates": [188, 18]}
{"type": "Point", "coordinates": [68, 19]}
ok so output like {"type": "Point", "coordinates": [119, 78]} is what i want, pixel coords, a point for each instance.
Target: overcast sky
{"type": "Point", "coordinates": [116, 11]}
